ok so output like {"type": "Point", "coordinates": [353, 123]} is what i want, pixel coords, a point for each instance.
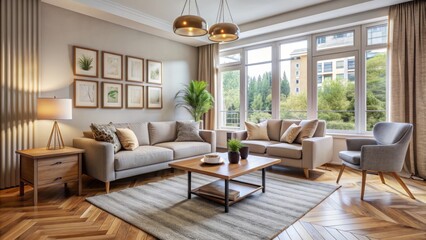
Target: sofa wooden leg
{"type": "Point", "coordinates": [364, 178]}
{"type": "Point", "coordinates": [107, 187]}
{"type": "Point", "coordinates": [382, 178]}
{"type": "Point", "coordinates": [306, 172]}
{"type": "Point", "coordinates": [342, 168]}
{"type": "Point", "coordinates": [399, 180]}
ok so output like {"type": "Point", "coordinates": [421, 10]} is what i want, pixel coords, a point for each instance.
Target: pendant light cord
{"type": "Point", "coordinates": [189, 8]}
{"type": "Point", "coordinates": [221, 11]}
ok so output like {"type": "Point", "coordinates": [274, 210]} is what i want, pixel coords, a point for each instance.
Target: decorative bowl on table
{"type": "Point", "coordinates": [212, 159]}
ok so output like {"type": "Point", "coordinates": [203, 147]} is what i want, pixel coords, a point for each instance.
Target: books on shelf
{"type": "Point", "coordinates": [217, 189]}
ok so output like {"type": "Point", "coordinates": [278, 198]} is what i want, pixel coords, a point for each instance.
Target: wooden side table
{"type": "Point", "coordinates": [41, 167]}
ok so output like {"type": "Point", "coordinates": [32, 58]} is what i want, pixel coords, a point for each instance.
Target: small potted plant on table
{"type": "Point", "coordinates": [234, 146]}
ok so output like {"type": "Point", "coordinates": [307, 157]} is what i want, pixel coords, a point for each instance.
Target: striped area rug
{"type": "Point", "coordinates": [163, 210]}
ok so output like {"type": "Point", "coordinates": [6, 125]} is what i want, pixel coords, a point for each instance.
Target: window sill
{"type": "Point", "coordinates": [350, 135]}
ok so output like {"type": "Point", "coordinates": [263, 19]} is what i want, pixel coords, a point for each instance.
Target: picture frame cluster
{"type": "Point", "coordinates": [112, 94]}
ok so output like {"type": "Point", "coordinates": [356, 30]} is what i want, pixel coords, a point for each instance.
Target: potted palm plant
{"type": "Point", "coordinates": [195, 99]}
{"type": "Point", "coordinates": [234, 146]}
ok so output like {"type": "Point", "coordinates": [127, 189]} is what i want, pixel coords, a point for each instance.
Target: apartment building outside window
{"type": "Point", "coordinates": [275, 80]}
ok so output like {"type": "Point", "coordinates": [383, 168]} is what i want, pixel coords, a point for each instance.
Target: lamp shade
{"type": "Point", "coordinates": [190, 26]}
{"type": "Point", "coordinates": [224, 32]}
{"type": "Point", "coordinates": [54, 108]}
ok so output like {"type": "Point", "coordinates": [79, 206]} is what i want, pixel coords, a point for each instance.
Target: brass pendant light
{"type": "Point", "coordinates": [190, 25]}
{"type": "Point", "coordinates": [224, 31]}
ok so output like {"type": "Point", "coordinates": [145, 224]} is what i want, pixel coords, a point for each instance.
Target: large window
{"type": "Point", "coordinates": [294, 80]}
{"type": "Point", "coordinates": [259, 84]}
{"type": "Point", "coordinates": [338, 76]}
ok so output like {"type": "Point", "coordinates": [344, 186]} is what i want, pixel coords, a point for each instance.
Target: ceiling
{"type": "Point", "coordinates": [254, 17]}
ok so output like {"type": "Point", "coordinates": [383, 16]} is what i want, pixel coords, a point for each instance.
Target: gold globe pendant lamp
{"type": "Point", "coordinates": [190, 25]}
{"type": "Point", "coordinates": [224, 31]}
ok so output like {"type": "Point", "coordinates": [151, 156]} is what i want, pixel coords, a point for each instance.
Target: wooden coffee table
{"type": "Point", "coordinates": [227, 172]}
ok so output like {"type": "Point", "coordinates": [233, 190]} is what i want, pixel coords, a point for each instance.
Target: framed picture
{"type": "Point", "coordinates": [134, 69]}
{"type": "Point", "coordinates": [154, 72]}
{"type": "Point", "coordinates": [85, 94]}
{"type": "Point", "coordinates": [134, 96]}
{"type": "Point", "coordinates": [85, 62]}
{"type": "Point", "coordinates": [112, 95]}
{"type": "Point", "coordinates": [112, 66]}
{"type": "Point", "coordinates": [154, 97]}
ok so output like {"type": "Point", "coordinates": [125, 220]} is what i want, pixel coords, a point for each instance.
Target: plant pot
{"type": "Point", "coordinates": [233, 157]}
{"type": "Point", "coordinates": [244, 152]}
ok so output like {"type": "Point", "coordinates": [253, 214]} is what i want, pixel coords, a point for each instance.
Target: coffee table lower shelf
{"type": "Point", "coordinates": [244, 188]}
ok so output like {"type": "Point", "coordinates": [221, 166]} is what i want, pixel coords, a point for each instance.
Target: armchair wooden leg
{"type": "Point", "coordinates": [107, 187]}
{"type": "Point", "coordinates": [342, 168]}
{"type": "Point", "coordinates": [306, 172]}
{"type": "Point", "coordinates": [364, 178]}
{"type": "Point", "coordinates": [399, 180]}
{"type": "Point", "coordinates": [382, 178]}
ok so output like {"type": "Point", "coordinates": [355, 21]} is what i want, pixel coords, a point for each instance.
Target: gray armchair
{"type": "Point", "coordinates": [384, 154]}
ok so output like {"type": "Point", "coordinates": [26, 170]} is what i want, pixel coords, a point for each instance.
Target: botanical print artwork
{"type": "Point", "coordinates": [112, 66]}
{"type": "Point", "coordinates": [134, 96]}
{"type": "Point", "coordinates": [134, 69]}
{"type": "Point", "coordinates": [85, 62]}
{"type": "Point", "coordinates": [155, 97]}
{"type": "Point", "coordinates": [86, 93]}
{"type": "Point", "coordinates": [154, 72]}
{"type": "Point", "coordinates": [112, 95]}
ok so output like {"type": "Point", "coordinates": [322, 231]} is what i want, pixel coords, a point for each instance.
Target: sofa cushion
{"type": "Point", "coordinates": [308, 130]}
{"type": "Point", "coordinates": [291, 133]}
{"type": "Point", "coordinates": [285, 150]}
{"type": "Point", "coordinates": [186, 149]}
{"type": "Point", "coordinates": [140, 130]}
{"type": "Point", "coordinates": [162, 132]}
{"type": "Point", "coordinates": [141, 156]}
{"type": "Point", "coordinates": [127, 138]}
{"type": "Point", "coordinates": [286, 124]}
{"type": "Point", "coordinates": [106, 133]}
{"type": "Point", "coordinates": [188, 132]}
{"type": "Point", "coordinates": [257, 146]}
{"type": "Point", "coordinates": [274, 127]}
{"type": "Point", "coordinates": [257, 131]}
{"type": "Point", "coordinates": [352, 157]}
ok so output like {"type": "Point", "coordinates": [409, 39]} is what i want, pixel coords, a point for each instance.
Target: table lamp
{"type": "Point", "coordinates": [54, 109]}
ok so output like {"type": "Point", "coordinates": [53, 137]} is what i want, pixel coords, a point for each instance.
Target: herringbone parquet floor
{"type": "Point", "coordinates": [386, 213]}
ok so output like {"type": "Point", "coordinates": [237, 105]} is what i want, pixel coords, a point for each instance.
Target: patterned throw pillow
{"type": "Point", "coordinates": [291, 133]}
{"type": "Point", "coordinates": [257, 131]}
{"type": "Point", "coordinates": [308, 130]}
{"type": "Point", "coordinates": [106, 133]}
{"type": "Point", "coordinates": [188, 132]}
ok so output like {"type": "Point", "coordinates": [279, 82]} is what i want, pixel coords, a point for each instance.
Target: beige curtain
{"type": "Point", "coordinates": [208, 60]}
{"type": "Point", "coordinates": [407, 38]}
{"type": "Point", "coordinates": [19, 76]}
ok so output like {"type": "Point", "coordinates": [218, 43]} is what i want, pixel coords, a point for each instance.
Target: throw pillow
{"type": "Point", "coordinates": [106, 133]}
{"type": "Point", "coordinates": [127, 138]}
{"type": "Point", "coordinates": [308, 130]}
{"type": "Point", "coordinates": [257, 131]}
{"type": "Point", "coordinates": [291, 133]}
{"type": "Point", "coordinates": [188, 132]}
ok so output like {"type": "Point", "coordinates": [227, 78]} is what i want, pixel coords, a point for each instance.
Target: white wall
{"type": "Point", "coordinates": [61, 29]}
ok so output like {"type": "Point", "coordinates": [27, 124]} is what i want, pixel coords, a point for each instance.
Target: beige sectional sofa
{"type": "Point", "coordinates": [157, 149]}
{"type": "Point", "coordinates": [312, 153]}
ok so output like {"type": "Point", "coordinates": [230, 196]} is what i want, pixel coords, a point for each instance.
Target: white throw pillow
{"type": "Point", "coordinates": [291, 133]}
{"type": "Point", "coordinates": [257, 131]}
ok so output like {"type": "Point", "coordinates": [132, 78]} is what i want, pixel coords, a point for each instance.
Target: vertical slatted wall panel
{"type": "Point", "coordinates": [19, 78]}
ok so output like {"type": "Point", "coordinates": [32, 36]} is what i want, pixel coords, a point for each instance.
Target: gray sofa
{"type": "Point", "coordinates": [157, 149]}
{"type": "Point", "coordinates": [312, 153]}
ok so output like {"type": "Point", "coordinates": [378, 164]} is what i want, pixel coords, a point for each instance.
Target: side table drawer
{"type": "Point", "coordinates": [58, 170]}
{"type": "Point", "coordinates": [57, 161]}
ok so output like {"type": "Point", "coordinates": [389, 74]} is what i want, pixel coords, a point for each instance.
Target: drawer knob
{"type": "Point", "coordinates": [57, 163]}
{"type": "Point", "coordinates": [58, 178]}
